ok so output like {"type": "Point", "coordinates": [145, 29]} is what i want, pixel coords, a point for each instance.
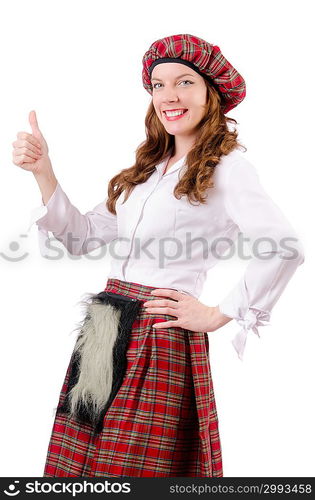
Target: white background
{"type": "Point", "coordinates": [78, 64]}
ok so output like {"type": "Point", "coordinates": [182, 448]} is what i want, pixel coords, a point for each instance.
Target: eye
{"type": "Point", "coordinates": [186, 81]}
{"type": "Point", "coordinates": [183, 81]}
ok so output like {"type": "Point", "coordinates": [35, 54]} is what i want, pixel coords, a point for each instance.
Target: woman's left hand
{"type": "Point", "coordinates": [191, 314]}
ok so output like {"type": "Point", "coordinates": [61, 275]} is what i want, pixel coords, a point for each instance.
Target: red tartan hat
{"type": "Point", "coordinates": [201, 56]}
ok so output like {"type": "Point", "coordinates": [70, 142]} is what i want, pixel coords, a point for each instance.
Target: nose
{"type": "Point", "coordinates": [170, 95]}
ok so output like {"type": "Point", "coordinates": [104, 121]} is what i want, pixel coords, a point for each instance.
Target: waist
{"type": "Point", "coordinates": [130, 289]}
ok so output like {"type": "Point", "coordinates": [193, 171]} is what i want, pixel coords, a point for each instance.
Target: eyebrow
{"type": "Point", "coordinates": [180, 76]}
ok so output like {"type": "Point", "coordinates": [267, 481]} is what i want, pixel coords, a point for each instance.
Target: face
{"type": "Point", "coordinates": [177, 87]}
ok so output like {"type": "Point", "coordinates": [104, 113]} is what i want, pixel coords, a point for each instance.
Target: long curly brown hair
{"type": "Point", "coordinates": [213, 139]}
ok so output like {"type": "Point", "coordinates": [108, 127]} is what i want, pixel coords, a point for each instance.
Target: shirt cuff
{"type": "Point", "coordinates": [43, 235]}
{"type": "Point", "coordinates": [42, 210]}
{"type": "Point", "coordinates": [249, 322]}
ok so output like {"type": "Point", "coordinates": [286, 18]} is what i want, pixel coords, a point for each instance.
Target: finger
{"type": "Point", "coordinates": [20, 159]}
{"type": "Point", "coordinates": [29, 137]}
{"type": "Point", "coordinates": [159, 303]}
{"type": "Point", "coordinates": [27, 152]}
{"type": "Point", "coordinates": [167, 293]}
{"type": "Point", "coordinates": [34, 124]}
{"type": "Point", "coordinates": [166, 324]}
{"type": "Point", "coordinates": [26, 144]}
{"type": "Point", "coordinates": [162, 310]}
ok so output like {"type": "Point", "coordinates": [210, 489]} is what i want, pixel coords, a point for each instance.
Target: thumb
{"type": "Point", "coordinates": [34, 125]}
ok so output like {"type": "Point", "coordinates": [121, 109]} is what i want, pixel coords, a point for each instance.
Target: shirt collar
{"type": "Point", "coordinates": [160, 166]}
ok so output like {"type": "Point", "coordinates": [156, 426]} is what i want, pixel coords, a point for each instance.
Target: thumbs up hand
{"type": "Point", "coordinates": [31, 150]}
{"type": "Point", "coordinates": [36, 132]}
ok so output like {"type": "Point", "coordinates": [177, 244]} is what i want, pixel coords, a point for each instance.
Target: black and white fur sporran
{"type": "Point", "coordinates": [98, 362]}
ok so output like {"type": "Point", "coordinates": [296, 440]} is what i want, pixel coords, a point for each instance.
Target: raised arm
{"type": "Point", "coordinates": [79, 233]}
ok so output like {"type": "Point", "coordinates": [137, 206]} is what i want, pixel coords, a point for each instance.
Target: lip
{"type": "Point", "coordinates": [175, 109]}
{"type": "Point", "coordinates": [173, 118]}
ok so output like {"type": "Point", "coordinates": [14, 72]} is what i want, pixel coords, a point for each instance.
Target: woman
{"type": "Point", "coordinates": [137, 398]}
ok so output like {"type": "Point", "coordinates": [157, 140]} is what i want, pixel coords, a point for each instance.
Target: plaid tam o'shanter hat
{"type": "Point", "coordinates": [201, 56]}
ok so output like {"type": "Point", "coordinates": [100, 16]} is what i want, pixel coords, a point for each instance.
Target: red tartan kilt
{"type": "Point", "coordinates": [163, 420]}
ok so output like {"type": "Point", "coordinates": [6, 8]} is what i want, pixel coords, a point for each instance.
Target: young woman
{"type": "Point", "coordinates": [138, 398]}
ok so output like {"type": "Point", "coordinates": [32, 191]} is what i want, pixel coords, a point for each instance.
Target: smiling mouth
{"type": "Point", "coordinates": [170, 114]}
{"type": "Point", "coordinates": [174, 116]}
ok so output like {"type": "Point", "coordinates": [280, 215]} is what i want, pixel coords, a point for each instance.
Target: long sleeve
{"type": "Point", "coordinates": [79, 233]}
{"type": "Point", "coordinates": [276, 251]}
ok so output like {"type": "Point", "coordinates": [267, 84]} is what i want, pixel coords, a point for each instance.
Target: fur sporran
{"type": "Point", "coordinates": [98, 362]}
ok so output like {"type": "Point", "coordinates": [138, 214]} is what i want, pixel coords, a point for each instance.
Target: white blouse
{"type": "Point", "coordinates": [160, 241]}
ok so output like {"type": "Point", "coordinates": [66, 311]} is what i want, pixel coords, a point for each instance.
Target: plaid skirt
{"type": "Point", "coordinates": [163, 419]}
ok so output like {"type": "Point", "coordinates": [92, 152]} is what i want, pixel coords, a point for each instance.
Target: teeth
{"type": "Point", "coordinates": [174, 113]}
